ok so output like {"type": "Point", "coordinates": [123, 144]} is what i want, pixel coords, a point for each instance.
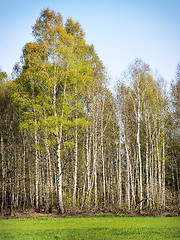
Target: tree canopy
{"type": "Point", "coordinates": [68, 144]}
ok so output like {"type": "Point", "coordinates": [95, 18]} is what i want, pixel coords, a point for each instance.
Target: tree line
{"type": "Point", "coordinates": [69, 144]}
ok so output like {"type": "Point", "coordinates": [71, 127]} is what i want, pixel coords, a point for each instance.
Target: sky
{"type": "Point", "coordinates": [120, 30]}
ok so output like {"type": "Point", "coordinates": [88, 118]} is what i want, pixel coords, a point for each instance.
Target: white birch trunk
{"type": "Point", "coordinates": [163, 176]}
{"type": "Point", "coordinates": [3, 172]}
{"type": "Point", "coordinates": [128, 177]}
{"type": "Point", "coordinates": [139, 150]}
{"type": "Point", "coordinates": [48, 185]}
{"type": "Point", "coordinates": [147, 172]}
{"type": "Point", "coordinates": [36, 170]}
{"type": "Point", "coordinates": [59, 137]}
{"type": "Point", "coordinates": [88, 153]}
{"type": "Point", "coordinates": [59, 176]}
{"type": "Point", "coordinates": [95, 166]}
{"type": "Point", "coordinates": [75, 166]}
{"type": "Point", "coordinates": [24, 175]}
{"type": "Point", "coordinates": [102, 156]}
{"type": "Point", "coordinates": [120, 166]}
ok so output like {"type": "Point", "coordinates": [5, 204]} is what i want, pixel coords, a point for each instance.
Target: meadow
{"type": "Point", "coordinates": [91, 227]}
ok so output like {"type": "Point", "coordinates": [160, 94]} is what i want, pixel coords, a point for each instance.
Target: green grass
{"type": "Point", "coordinates": [96, 227]}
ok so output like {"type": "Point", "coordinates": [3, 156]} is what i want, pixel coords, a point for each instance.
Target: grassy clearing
{"type": "Point", "coordinates": [96, 227]}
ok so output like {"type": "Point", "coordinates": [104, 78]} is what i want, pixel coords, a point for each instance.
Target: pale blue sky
{"type": "Point", "coordinates": [121, 30]}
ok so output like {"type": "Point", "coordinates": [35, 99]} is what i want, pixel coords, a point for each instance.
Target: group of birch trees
{"type": "Point", "coordinates": [141, 108]}
{"type": "Point", "coordinates": [68, 144]}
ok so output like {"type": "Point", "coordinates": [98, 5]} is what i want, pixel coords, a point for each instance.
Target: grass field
{"type": "Point", "coordinates": [91, 227]}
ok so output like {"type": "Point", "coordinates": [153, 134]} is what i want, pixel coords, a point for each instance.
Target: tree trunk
{"type": "Point", "coordinates": [59, 175]}
{"type": "Point", "coordinates": [75, 165]}
{"type": "Point", "coordinates": [128, 177]}
{"type": "Point", "coordinates": [59, 139]}
{"type": "Point", "coordinates": [102, 156]}
{"type": "Point", "coordinates": [163, 176]}
{"type": "Point", "coordinates": [48, 186]}
{"type": "Point", "coordinates": [120, 167]}
{"type": "Point", "coordinates": [24, 175]}
{"type": "Point", "coordinates": [3, 201]}
{"type": "Point", "coordinates": [147, 160]}
{"type": "Point", "coordinates": [36, 171]}
{"type": "Point", "coordinates": [139, 151]}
